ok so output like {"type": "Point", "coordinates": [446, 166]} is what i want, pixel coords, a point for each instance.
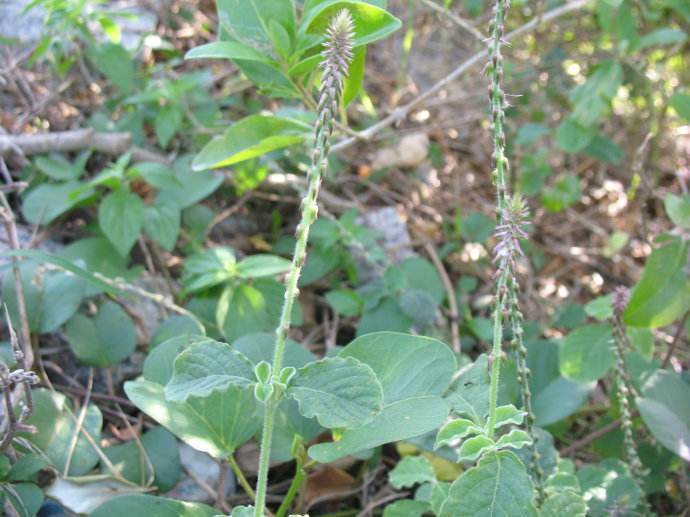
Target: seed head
{"type": "Point", "coordinates": [338, 52]}
{"type": "Point", "coordinates": [621, 297]}
{"type": "Point", "coordinates": [509, 232]}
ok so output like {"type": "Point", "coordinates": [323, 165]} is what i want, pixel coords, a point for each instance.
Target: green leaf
{"type": "Point", "coordinates": [58, 167]}
{"type": "Point", "coordinates": [160, 451]}
{"type": "Point", "coordinates": [476, 227]}
{"type": "Point", "coordinates": [95, 254]}
{"type": "Point", "coordinates": [414, 372]}
{"type": "Point", "coordinates": [386, 316]}
{"type": "Point", "coordinates": [144, 504]}
{"type": "Point", "coordinates": [558, 400]}
{"type": "Point", "coordinates": [251, 309]}
{"type": "Point", "coordinates": [406, 365]}
{"type": "Point", "coordinates": [681, 103]}
{"type": "Point", "coordinates": [248, 21]}
{"type": "Point", "coordinates": [419, 306]}
{"type": "Point", "coordinates": [243, 511]}
{"type": "Point", "coordinates": [410, 471]}
{"type": "Point", "coordinates": [155, 174]}
{"type": "Point", "coordinates": [227, 50]}
{"type": "Point", "coordinates": [262, 265]}
{"type": "Point", "coordinates": [406, 508]}
{"type": "Point", "coordinates": [516, 439]}
{"type": "Point", "coordinates": [508, 414]}
{"type": "Point", "coordinates": [469, 394]}
{"type": "Point", "coordinates": [162, 223]}
{"type": "Point", "coordinates": [104, 340]}
{"type": "Point", "coordinates": [562, 193]}
{"type": "Point", "coordinates": [121, 218]}
{"type": "Point", "coordinates": [339, 392]}
{"type": "Point", "coordinates": [604, 149]}
{"type": "Point", "coordinates": [663, 292]}
{"type": "Point", "coordinates": [207, 366]}
{"type": "Point", "coordinates": [601, 308]}
{"type": "Point", "coordinates": [572, 137]}
{"type": "Point", "coordinates": [259, 347]}
{"type": "Point", "coordinates": [498, 486]}
{"type": "Point", "coordinates": [642, 339]}
{"type": "Point", "coordinates": [48, 201]}
{"type": "Point", "coordinates": [371, 23]}
{"type": "Point", "coordinates": [564, 502]}
{"type": "Point", "coordinates": [664, 408]}
{"type": "Point", "coordinates": [662, 36]}
{"type": "Point", "coordinates": [401, 420]}
{"type": "Point", "coordinates": [587, 354]}
{"type": "Point", "coordinates": [355, 77]}
{"type": "Point", "coordinates": [25, 498]}
{"type": "Point", "coordinates": [252, 136]}
{"type": "Point", "coordinates": [280, 39]}
{"type": "Point", "coordinates": [421, 274]}
{"type": "Point", "coordinates": [345, 301]}
{"type": "Point", "coordinates": [64, 264]}
{"type": "Point", "coordinates": [191, 186]}
{"type": "Point", "coordinates": [56, 429]}
{"type": "Point", "coordinates": [51, 297]}
{"type": "Point", "coordinates": [209, 268]}
{"type": "Point", "coordinates": [167, 122]}
{"type": "Point", "coordinates": [678, 209]}
{"type": "Point", "coordinates": [217, 424]}
{"type": "Point", "coordinates": [115, 63]}
{"type": "Point", "coordinates": [26, 466]}
{"type": "Point", "coordinates": [529, 133]}
{"type": "Point", "coordinates": [609, 485]}
{"type": "Point", "coordinates": [474, 447]}
{"type": "Point", "coordinates": [455, 430]}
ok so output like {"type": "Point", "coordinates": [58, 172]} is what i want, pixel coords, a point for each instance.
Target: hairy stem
{"type": "Point", "coordinates": [499, 176]}
{"type": "Point", "coordinates": [337, 57]}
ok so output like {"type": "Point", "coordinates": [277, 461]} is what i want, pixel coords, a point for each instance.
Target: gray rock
{"type": "Point", "coordinates": [395, 241]}
{"type": "Point", "coordinates": [25, 234]}
{"type": "Point", "coordinates": [26, 28]}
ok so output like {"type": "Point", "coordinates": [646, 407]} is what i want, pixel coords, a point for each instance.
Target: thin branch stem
{"type": "Point", "coordinates": [450, 293]}
{"type": "Point", "coordinates": [464, 24]}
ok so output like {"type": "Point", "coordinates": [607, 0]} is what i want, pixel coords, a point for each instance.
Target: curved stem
{"type": "Point", "coordinates": [300, 476]}
{"type": "Point", "coordinates": [239, 475]}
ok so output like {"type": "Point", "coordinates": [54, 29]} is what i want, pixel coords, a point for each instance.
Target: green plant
{"type": "Point", "coordinates": [598, 381]}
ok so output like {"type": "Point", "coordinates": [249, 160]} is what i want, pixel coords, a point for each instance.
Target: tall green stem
{"type": "Point", "coordinates": [337, 57]}
{"type": "Point", "coordinates": [500, 171]}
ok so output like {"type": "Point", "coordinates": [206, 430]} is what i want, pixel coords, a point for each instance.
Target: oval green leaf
{"type": "Point", "coordinates": [250, 137]}
{"type": "Point", "coordinates": [338, 392]}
